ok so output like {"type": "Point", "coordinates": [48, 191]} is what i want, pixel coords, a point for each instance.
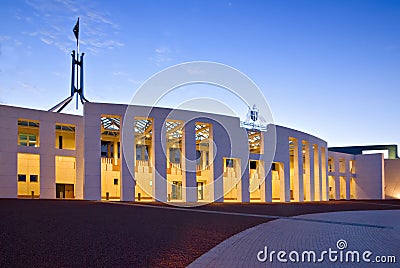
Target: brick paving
{"type": "Point", "coordinates": [73, 233]}
{"type": "Point", "coordinates": [375, 231]}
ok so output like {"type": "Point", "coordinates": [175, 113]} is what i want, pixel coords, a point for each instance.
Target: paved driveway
{"type": "Point", "coordinates": [343, 235]}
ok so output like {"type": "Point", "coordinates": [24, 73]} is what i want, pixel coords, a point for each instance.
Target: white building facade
{"type": "Point", "coordinates": [138, 153]}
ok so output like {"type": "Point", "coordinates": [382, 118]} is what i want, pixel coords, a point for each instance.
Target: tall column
{"type": "Point", "coordinates": [115, 151]}
{"type": "Point", "coordinates": [320, 171]}
{"type": "Point", "coordinates": [324, 170]}
{"type": "Point", "coordinates": [245, 182]}
{"type": "Point", "coordinates": [47, 160]}
{"type": "Point", "coordinates": [348, 176]}
{"type": "Point", "coordinates": [223, 146]}
{"type": "Point", "coordinates": [218, 187]}
{"type": "Point", "coordinates": [92, 179]}
{"type": "Point", "coordinates": [317, 171]}
{"type": "Point", "coordinates": [159, 162]}
{"type": "Point", "coordinates": [306, 174]}
{"type": "Point", "coordinates": [80, 170]}
{"type": "Point", "coordinates": [300, 174]}
{"type": "Point", "coordinates": [189, 163]}
{"type": "Point", "coordinates": [286, 183]}
{"type": "Point", "coordinates": [337, 178]}
{"type": "Point", "coordinates": [128, 160]}
{"type": "Point", "coordinates": [298, 187]}
{"type": "Point", "coordinates": [268, 183]}
{"type": "Point", "coordinates": [312, 159]}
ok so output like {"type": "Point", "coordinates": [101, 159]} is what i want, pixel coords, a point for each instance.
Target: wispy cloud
{"type": "Point", "coordinates": [119, 73]}
{"type": "Point", "coordinates": [4, 38]}
{"type": "Point", "coordinates": [127, 77]}
{"type": "Point", "coordinates": [163, 55]}
{"type": "Point", "coordinates": [58, 74]}
{"type": "Point", "coordinates": [46, 41]}
{"type": "Point", "coordinates": [162, 50]}
{"type": "Point", "coordinates": [135, 82]}
{"type": "Point", "coordinates": [29, 88]}
{"type": "Point", "coordinates": [99, 18]}
{"type": "Point", "coordinates": [9, 53]}
{"type": "Point", "coordinates": [57, 18]}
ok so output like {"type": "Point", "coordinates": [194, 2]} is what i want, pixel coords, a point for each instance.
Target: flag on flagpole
{"type": "Point", "coordinates": [76, 31]}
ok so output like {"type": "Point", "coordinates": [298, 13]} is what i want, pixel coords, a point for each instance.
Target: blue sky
{"type": "Point", "coordinates": [329, 68]}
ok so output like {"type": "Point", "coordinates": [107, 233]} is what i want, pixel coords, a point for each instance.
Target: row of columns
{"type": "Point", "coordinates": [337, 175]}
{"type": "Point", "coordinates": [312, 186]}
{"type": "Point", "coordinates": [316, 180]}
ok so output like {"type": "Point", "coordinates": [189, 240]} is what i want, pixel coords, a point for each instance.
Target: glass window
{"type": "Point", "coordinates": [198, 157]}
{"type": "Point", "coordinates": [65, 137]}
{"type": "Point", "coordinates": [27, 140]}
{"type": "Point", "coordinates": [33, 178]}
{"type": "Point", "coordinates": [274, 167]}
{"type": "Point", "coordinates": [175, 155]}
{"type": "Point", "coordinates": [229, 163]}
{"type": "Point", "coordinates": [28, 133]}
{"type": "Point", "coordinates": [21, 177]}
{"type": "Point", "coordinates": [32, 140]}
{"type": "Point", "coordinates": [253, 164]}
{"type": "Point", "coordinates": [342, 166]}
{"type": "Point", "coordinates": [255, 139]}
{"type": "Point", "coordinates": [331, 165]}
{"type": "Point", "coordinates": [23, 140]}
{"type": "Point", "coordinates": [352, 166]}
{"type": "Point", "coordinates": [142, 152]}
{"type": "Point", "coordinates": [115, 181]}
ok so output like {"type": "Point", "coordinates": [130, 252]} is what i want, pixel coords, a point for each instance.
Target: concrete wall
{"type": "Point", "coordinates": [47, 150]}
{"type": "Point", "coordinates": [370, 176]}
{"type": "Point", "coordinates": [309, 181]}
{"type": "Point", "coordinates": [365, 182]}
{"type": "Point", "coordinates": [392, 178]}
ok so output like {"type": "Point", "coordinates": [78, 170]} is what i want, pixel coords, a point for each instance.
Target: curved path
{"type": "Point", "coordinates": [377, 231]}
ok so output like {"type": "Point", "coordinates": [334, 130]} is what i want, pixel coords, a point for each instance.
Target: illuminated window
{"type": "Point", "coordinates": [203, 138]}
{"type": "Point", "coordinates": [143, 129]}
{"type": "Point", "coordinates": [342, 166]}
{"type": "Point", "coordinates": [255, 139]}
{"type": "Point", "coordinates": [174, 136]}
{"type": "Point", "coordinates": [28, 133]}
{"type": "Point", "coordinates": [331, 165]}
{"type": "Point", "coordinates": [27, 140]}
{"type": "Point", "coordinates": [352, 166]}
{"type": "Point", "coordinates": [65, 136]}
{"type": "Point", "coordinates": [110, 137]}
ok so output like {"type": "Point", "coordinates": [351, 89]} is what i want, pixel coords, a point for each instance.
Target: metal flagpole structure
{"type": "Point", "coordinates": [77, 85]}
